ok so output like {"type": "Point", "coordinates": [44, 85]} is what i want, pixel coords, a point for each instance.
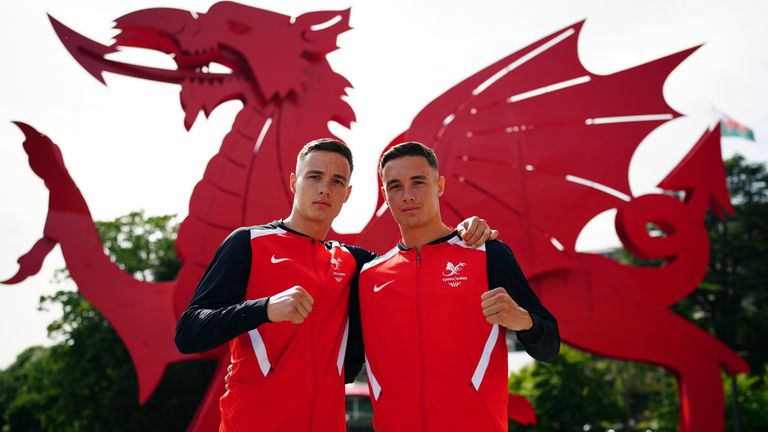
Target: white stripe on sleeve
{"type": "Point", "coordinates": [343, 348]}
{"type": "Point", "coordinates": [260, 350]}
{"type": "Point", "coordinates": [372, 379]}
{"type": "Point", "coordinates": [482, 365]}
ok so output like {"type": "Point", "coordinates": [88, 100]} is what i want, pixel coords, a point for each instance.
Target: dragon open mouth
{"type": "Point", "coordinates": [190, 66]}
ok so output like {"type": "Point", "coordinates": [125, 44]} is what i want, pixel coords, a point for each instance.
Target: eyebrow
{"type": "Point", "coordinates": [338, 176]}
{"type": "Point", "coordinates": [416, 177]}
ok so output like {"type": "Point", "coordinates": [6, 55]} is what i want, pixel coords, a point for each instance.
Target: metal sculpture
{"type": "Point", "coordinates": [534, 140]}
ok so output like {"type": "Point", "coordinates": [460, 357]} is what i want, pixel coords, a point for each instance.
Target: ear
{"type": "Point", "coordinates": [320, 29]}
{"type": "Point", "coordinates": [440, 186]}
{"type": "Point", "coordinates": [349, 191]}
{"type": "Point", "coordinates": [292, 182]}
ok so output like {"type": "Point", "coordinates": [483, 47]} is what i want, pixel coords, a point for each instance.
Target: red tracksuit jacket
{"type": "Point", "coordinates": [434, 362]}
{"type": "Point", "coordinates": [285, 377]}
{"type": "Point", "coordinates": [292, 374]}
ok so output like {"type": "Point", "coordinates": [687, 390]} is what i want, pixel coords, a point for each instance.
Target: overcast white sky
{"type": "Point", "coordinates": [126, 147]}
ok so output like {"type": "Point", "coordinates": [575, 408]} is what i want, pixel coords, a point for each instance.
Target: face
{"type": "Point", "coordinates": [321, 186]}
{"type": "Point", "coordinates": [412, 190]}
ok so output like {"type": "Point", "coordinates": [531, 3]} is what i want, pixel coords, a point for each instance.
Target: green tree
{"type": "Point", "coordinates": [753, 400]}
{"type": "Point", "coordinates": [558, 387]}
{"type": "Point", "coordinates": [87, 380]}
{"type": "Point", "coordinates": [583, 392]}
{"type": "Point", "coordinates": [20, 406]}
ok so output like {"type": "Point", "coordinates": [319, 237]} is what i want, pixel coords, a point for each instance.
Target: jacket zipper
{"type": "Point", "coordinates": [422, 359]}
{"type": "Point", "coordinates": [313, 257]}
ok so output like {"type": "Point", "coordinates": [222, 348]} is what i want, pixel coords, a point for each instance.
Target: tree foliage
{"type": "Point", "coordinates": [86, 382]}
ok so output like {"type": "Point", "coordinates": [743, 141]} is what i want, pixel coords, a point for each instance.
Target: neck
{"type": "Point", "coordinates": [419, 236]}
{"type": "Point", "coordinates": [313, 229]}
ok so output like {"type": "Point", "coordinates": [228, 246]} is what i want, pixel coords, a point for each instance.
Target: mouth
{"type": "Point", "coordinates": [322, 203]}
{"type": "Point", "coordinates": [409, 209]}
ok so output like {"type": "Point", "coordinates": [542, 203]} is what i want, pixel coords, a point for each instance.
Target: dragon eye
{"type": "Point", "coordinates": [238, 28]}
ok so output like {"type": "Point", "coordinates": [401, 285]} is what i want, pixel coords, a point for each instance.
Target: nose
{"type": "Point", "coordinates": [325, 188]}
{"type": "Point", "coordinates": [408, 194]}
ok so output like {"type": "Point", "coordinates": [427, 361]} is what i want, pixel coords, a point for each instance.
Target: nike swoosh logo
{"type": "Point", "coordinates": [278, 260]}
{"type": "Point", "coordinates": [377, 288]}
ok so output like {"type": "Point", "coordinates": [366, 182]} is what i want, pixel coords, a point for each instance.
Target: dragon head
{"type": "Point", "coordinates": [269, 54]}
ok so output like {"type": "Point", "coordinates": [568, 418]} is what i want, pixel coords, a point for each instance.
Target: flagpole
{"type": "Point", "coordinates": [735, 394]}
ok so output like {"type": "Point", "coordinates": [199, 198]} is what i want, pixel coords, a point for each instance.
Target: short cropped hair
{"type": "Point", "coordinates": [327, 145]}
{"type": "Point", "coordinates": [410, 148]}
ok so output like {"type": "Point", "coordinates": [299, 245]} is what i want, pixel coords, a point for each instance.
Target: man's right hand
{"type": "Point", "coordinates": [230, 369]}
{"type": "Point", "coordinates": [293, 304]}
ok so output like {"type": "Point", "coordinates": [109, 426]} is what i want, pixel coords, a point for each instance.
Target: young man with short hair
{"type": "Point", "coordinates": [279, 294]}
{"type": "Point", "coordinates": [435, 312]}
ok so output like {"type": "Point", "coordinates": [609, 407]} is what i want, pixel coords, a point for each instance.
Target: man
{"type": "Point", "coordinates": [279, 295]}
{"type": "Point", "coordinates": [435, 313]}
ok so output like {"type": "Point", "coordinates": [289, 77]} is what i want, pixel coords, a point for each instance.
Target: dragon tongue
{"type": "Point", "coordinates": [703, 191]}
{"type": "Point", "coordinates": [88, 53]}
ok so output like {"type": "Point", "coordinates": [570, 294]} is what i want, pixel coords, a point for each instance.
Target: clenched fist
{"type": "Point", "coordinates": [293, 304]}
{"type": "Point", "coordinates": [499, 308]}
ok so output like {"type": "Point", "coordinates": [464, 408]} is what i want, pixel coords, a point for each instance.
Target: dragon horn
{"type": "Point", "coordinates": [322, 28]}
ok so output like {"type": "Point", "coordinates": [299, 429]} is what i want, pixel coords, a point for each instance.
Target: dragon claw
{"type": "Point", "coordinates": [31, 262]}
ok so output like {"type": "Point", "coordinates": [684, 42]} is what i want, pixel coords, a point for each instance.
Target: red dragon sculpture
{"type": "Point", "coordinates": [535, 140]}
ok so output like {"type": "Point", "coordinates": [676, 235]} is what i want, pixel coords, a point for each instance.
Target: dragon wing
{"type": "Point", "coordinates": [538, 145]}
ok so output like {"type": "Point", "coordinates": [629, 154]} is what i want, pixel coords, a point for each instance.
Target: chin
{"type": "Point", "coordinates": [409, 222]}
{"type": "Point", "coordinates": [325, 216]}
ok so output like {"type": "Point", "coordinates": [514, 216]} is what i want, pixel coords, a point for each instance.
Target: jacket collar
{"type": "Point", "coordinates": [438, 241]}
{"type": "Point", "coordinates": [281, 224]}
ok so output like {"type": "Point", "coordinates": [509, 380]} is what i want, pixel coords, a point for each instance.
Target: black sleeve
{"type": "Point", "coordinates": [542, 341]}
{"type": "Point", "coordinates": [217, 312]}
{"type": "Point", "coordinates": [355, 356]}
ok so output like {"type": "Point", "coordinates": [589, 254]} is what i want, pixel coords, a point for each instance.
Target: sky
{"type": "Point", "coordinates": [127, 149]}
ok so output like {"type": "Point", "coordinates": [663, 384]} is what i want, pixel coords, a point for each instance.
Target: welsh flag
{"type": "Point", "coordinates": [731, 128]}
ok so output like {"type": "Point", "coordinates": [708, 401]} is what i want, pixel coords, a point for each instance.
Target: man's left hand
{"type": "Point", "coordinates": [475, 231]}
{"type": "Point", "coordinates": [499, 308]}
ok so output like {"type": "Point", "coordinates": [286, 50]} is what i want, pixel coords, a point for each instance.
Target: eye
{"type": "Point", "coordinates": [238, 28]}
